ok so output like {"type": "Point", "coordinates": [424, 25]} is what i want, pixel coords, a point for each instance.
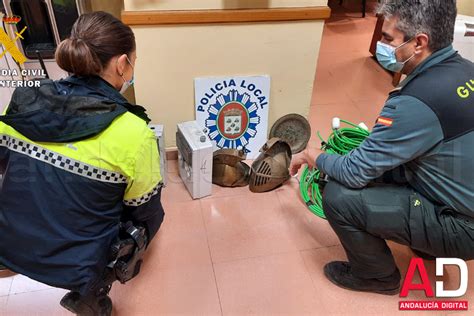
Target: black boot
{"type": "Point", "coordinates": [87, 306]}
{"type": "Point", "coordinates": [340, 274]}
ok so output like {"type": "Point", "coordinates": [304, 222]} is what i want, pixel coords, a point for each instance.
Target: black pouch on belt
{"type": "Point", "coordinates": [127, 253]}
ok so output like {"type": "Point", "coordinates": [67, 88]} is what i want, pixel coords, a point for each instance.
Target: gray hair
{"type": "Point", "coordinates": [435, 18]}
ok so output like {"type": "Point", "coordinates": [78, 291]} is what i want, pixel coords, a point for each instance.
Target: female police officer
{"type": "Point", "coordinates": [77, 160]}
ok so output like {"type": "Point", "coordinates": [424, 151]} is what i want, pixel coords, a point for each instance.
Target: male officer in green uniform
{"type": "Point", "coordinates": [425, 132]}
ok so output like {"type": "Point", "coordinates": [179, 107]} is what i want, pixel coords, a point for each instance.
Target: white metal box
{"type": "Point", "coordinates": [194, 159]}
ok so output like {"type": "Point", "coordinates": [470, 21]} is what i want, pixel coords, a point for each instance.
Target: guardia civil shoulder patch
{"type": "Point", "coordinates": [385, 121]}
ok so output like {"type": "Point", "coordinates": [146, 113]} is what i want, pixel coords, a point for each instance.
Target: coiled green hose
{"type": "Point", "coordinates": [341, 141]}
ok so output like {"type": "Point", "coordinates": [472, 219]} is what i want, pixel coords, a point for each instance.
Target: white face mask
{"type": "Point", "coordinates": [127, 84]}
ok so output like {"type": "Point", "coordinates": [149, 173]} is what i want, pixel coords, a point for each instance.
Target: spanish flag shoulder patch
{"type": "Point", "coordinates": [385, 121]}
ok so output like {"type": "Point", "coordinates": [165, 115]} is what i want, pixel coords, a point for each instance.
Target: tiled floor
{"type": "Point", "coordinates": [238, 253]}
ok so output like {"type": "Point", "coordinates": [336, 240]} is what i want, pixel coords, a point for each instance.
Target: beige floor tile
{"type": "Point", "coordinates": [174, 192]}
{"type": "Point", "coordinates": [182, 240]}
{"type": "Point", "coordinates": [3, 305]}
{"type": "Point", "coordinates": [269, 285]}
{"type": "Point", "coordinates": [181, 291]}
{"type": "Point", "coordinates": [5, 285]}
{"type": "Point", "coordinates": [38, 303]}
{"type": "Point", "coordinates": [329, 90]}
{"type": "Point", "coordinates": [245, 226]}
{"type": "Point", "coordinates": [22, 284]}
{"type": "Point", "coordinates": [306, 230]}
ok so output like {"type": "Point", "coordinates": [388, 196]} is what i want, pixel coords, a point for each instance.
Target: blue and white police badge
{"type": "Point", "coordinates": [233, 120]}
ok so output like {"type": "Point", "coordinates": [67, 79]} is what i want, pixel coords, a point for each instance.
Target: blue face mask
{"type": "Point", "coordinates": [127, 84]}
{"type": "Point", "coordinates": [386, 57]}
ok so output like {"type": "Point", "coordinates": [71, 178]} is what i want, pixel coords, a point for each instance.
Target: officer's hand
{"type": "Point", "coordinates": [307, 156]}
{"type": "Point", "coordinates": [296, 162]}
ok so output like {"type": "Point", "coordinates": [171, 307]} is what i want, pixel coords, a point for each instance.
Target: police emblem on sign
{"type": "Point", "coordinates": [232, 120]}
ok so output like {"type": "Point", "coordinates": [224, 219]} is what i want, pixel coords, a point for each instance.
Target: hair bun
{"type": "Point", "coordinates": [75, 56]}
{"type": "Point", "coordinates": [76, 40]}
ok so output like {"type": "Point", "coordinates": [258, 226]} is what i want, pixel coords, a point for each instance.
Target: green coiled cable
{"type": "Point", "coordinates": [341, 141]}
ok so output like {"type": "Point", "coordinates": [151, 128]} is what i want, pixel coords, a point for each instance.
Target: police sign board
{"type": "Point", "coordinates": [234, 111]}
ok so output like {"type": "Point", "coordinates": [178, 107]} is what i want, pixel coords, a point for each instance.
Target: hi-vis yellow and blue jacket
{"type": "Point", "coordinates": [76, 159]}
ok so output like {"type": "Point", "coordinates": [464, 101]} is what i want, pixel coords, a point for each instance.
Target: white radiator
{"type": "Point", "coordinates": [194, 159]}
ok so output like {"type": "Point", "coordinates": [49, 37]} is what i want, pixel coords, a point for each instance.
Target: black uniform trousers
{"type": "Point", "coordinates": [364, 218]}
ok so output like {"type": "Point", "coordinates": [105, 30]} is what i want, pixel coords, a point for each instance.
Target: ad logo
{"type": "Point", "coordinates": [441, 291]}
